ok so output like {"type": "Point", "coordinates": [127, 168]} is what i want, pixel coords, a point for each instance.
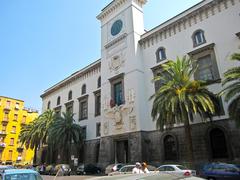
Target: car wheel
{"type": "Point", "coordinates": [84, 173]}
{"type": "Point", "coordinates": [98, 171]}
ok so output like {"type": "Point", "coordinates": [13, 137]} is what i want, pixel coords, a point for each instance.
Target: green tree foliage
{"type": "Point", "coordinates": [64, 132]}
{"type": "Point", "coordinates": [231, 91]}
{"type": "Point", "coordinates": [180, 98]}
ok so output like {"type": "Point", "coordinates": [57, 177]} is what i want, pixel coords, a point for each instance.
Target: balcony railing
{"type": "Point", "coordinates": [5, 120]}
{"type": "Point", "coordinates": [3, 133]}
{"type": "Point", "coordinates": [7, 108]}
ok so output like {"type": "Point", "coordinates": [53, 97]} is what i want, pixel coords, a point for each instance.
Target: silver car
{"type": "Point", "coordinates": [177, 170]}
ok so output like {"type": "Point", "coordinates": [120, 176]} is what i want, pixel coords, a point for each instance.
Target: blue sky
{"type": "Point", "coordinates": [44, 41]}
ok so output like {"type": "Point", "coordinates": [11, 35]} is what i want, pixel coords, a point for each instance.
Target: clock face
{"type": "Point", "coordinates": [116, 27]}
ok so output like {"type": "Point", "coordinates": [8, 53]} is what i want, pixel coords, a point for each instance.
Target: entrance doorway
{"type": "Point", "coordinates": [121, 151]}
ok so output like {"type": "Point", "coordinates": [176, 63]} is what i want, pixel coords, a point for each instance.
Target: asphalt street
{"type": "Point", "coordinates": [67, 177]}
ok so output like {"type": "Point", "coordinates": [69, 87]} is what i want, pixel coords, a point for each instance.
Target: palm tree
{"type": "Point", "coordinates": [30, 136]}
{"type": "Point", "coordinates": [231, 92]}
{"type": "Point", "coordinates": [180, 99]}
{"type": "Point", "coordinates": [63, 132]}
{"type": "Point", "coordinates": [35, 133]}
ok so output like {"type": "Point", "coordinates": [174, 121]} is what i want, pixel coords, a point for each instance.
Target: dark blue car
{"type": "Point", "coordinates": [220, 171]}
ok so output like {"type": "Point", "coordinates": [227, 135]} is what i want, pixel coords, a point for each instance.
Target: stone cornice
{"type": "Point", "coordinates": [115, 4]}
{"type": "Point", "coordinates": [184, 20]}
{"type": "Point", "coordinates": [116, 40]}
{"type": "Point", "coordinates": [75, 76]}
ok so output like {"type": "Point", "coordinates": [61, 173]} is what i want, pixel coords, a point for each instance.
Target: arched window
{"type": "Point", "coordinates": [49, 105]}
{"type": "Point", "coordinates": [218, 143]}
{"type": "Point", "coordinates": [198, 38]}
{"type": "Point", "coordinates": [84, 89]}
{"type": "Point", "coordinates": [161, 54]}
{"type": "Point", "coordinates": [58, 100]}
{"type": "Point", "coordinates": [170, 148]}
{"type": "Point", "coordinates": [99, 82]}
{"type": "Point", "coordinates": [70, 95]}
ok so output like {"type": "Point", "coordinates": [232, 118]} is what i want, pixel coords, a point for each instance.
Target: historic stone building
{"type": "Point", "coordinates": [110, 97]}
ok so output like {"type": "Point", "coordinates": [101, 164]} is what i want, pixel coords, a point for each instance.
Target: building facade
{"type": "Point", "coordinates": [13, 115]}
{"type": "Point", "coordinates": [110, 97]}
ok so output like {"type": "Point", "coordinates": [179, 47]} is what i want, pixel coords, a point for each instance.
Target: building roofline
{"type": "Point", "coordinates": [176, 18]}
{"type": "Point", "coordinates": [11, 98]}
{"type": "Point", "coordinates": [69, 78]}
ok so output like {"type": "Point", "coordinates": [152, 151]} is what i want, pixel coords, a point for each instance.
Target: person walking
{"type": "Point", "coordinates": [137, 169]}
{"type": "Point", "coordinates": [144, 168]}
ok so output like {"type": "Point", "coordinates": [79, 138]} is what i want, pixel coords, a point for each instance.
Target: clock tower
{"type": "Point", "coordinates": [122, 75]}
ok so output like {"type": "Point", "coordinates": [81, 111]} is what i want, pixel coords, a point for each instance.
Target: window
{"type": "Point", "coordinates": [161, 54]}
{"type": "Point", "coordinates": [17, 106]}
{"type": "Point", "coordinates": [4, 128]}
{"type": "Point", "coordinates": [83, 107]}
{"type": "Point", "coordinates": [10, 152]}
{"type": "Point", "coordinates": [70, 95]}
{"type": "Point", "coordinates": [58, 100]}
{"type": "Point", "coordinates": [84, 89]}
{"type": "Point", "coordinates": [11, 142]}
{"type": "Point", "coordinates": [98, 129]}
{"type": "Point", "coordinates": [14, 129]}
{"type": "Point", "coordinates": [99, 82]}
{"type": "Point", "coordinates": [97, 103]}
{"type": "Point", "coordinates": [24, 119]}
{"type": "Point", "coordinates": [218, 144]}
{"type": "Point", "coordinates": [84, 132]}
{"type": "Point", "coordinates": [15, 118]}
{"type": "Point", "coordinates": [170, 148]}
{"type": "Point", "coordinates": [198, 38]}
{"type": "Point", "coordinates": [57, 111]}
{"type": "Point", "coordinates": [117, 90]}
{"type": "Point", "coordinates": [69, 106]}
{"type": "Point", "coordinates": [205, 60]}
{"type": "Point", "coordinates": [5, 116]}
{"type": "Point", "coordinates": [49, 105]}
{"type": "Point", "coordinates": [157, 71]}
{"type": "Point", "coordinates": [8, 104]}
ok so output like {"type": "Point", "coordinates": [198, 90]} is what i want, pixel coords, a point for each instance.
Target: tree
{"type": "Point", "coordinates": [30, 136]}
{"type": "Point", "coordinates": [231, 92]}
{"type": "Point", "coordinates": [63, 132]}
{"type": "Point", "coordinates": [180, 99]}
{"type": "Point", "coordinates": [35, 133]}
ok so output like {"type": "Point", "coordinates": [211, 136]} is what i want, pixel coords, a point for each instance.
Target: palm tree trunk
{"type": "Point", "coordinates": [35, 155]}
{"type": "Point", "coordinates": [188, 138]}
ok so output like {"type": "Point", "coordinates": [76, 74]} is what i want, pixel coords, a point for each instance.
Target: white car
{"type": "Point", "coordinates": [127, 169]}
{"type": "Point", "coordinates": [177, 170]}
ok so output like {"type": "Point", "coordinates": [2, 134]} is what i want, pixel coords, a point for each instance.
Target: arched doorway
{"type": "Point", "coordinates": [170, 148]}
{"type": "Point", "coordinates": [218, 144]}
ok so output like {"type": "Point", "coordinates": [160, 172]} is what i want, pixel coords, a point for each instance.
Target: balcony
{"type": "Point", "coordinates": [5, 120]}
{"type": "Point", "coordinates": [23, 123]}
{"type": "Point", "coordinates": [7, 108]}
{"type": "Point", "coordinates": [3, 133]}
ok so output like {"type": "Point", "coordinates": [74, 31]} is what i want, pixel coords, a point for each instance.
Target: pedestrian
{"type": "Point", "coordinates": [137, 169]}
{"type": "Point", "coordinates": [144, 167]}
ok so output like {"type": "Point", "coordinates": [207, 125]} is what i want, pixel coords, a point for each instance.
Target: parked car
{"type": "Point", "coordinates": [88, 169]}
{"type": "Point", "coordinates": [147, 176]}
{"type": "Point", "coordinates": [127, 169]}
{"type": "Point", "coordinates": [177, 170]}
{"type": "Point", "coordinates": [49, 170]}
{"type": "Point", "coordinates": [61, 169]}
{"type": "Point", "coordinates": [113, 168]}
{"type": "Point", "coordinates": [20, 174]}
{"type": "Point", "coordinates": [220, 171]}
{"type": "Point", "coordinates": [4, 167]}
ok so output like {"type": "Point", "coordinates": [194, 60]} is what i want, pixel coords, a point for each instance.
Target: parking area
{"type": "Point", "coordinates": [67, 177]}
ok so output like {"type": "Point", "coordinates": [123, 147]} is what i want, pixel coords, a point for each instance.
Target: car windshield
{"type": "Point", "coordinates": [182, 167]}
{"type": "Point", "coordinates": [22, 177]}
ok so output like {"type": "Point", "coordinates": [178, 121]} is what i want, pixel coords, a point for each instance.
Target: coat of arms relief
{"type": "Point", "coordinates": [121, 116]}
